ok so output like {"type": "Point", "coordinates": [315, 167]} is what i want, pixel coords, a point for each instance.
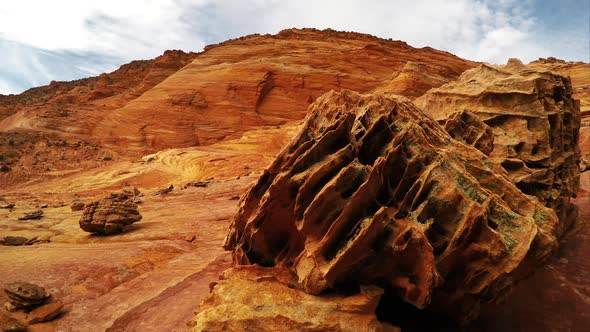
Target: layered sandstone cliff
{"type": "Point", "coordinates": [261, 80]}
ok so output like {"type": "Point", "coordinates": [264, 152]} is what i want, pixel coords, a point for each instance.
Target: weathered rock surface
{"type": "Point", "coordinates": [229, 89]}
{"type": "Point", "coordinates": [10, 324]}
{"type": "Point", "coordinates": [372, 191]}
{"type": "Point", "coordinates": [45, 313]}
{"type": "Point", "coordinates": [110, 215]}
{"type": "Point", "coordinates": [32, 215]}
{"type": "Point", "coordinates": [535, 122]}
{"type": "Point", "coordinates": [253, 298]}
{"type": "Point", "coordinates": [14, 240]}
{"type": "Point", "coordinates": [163, 191]}
{"type": "Point", "coordinates": [23, 295]}
{"type": "Point", "coordinates": [576, 71]}
{"type": "Point", "coordinates": [468, 128]}
{"type": "Point", "coordinates": [131, 191]}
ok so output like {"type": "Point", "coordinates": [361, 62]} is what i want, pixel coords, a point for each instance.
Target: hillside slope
{"type": "Point", "coordinates": [259, 80]}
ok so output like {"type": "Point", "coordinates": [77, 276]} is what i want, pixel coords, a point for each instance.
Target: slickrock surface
{"type": "Point", "coordinates": [535, 122]}
{"type": "Point", "coordinates": [110, 215]}
{"type": "Point", "coordinates": [153, 276]}
{"type": "Point", "coordinates": [372, 191]}
{"type": "Point", "coordinates": [47, 132]}
{"type": "Point", "coordinates": [253, 298]}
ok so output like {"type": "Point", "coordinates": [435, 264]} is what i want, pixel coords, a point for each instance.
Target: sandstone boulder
{"type": "Point", "coordinates": [110, 215]}
{"type": "Point", "coordinates": [23, 295]}
{"type": "Point", "coordinates": [373, 191]}
{"type": "Point", "coordinates": [535, 123]}
{"type": "Point", "coordinates": [253, 298]}
{"type": "Point", "coordinates": [77, 205]}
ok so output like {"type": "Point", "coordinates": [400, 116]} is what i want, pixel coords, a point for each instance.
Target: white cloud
{"type": "Point", "coordinates": [8, 88]}
{"type": "Point", "coordinates": [118, 31]}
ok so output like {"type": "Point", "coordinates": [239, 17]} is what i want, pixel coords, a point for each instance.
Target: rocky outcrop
{"type": "Point", "coordinates": [535, 123]}
{"type": "Point", "coordinates": [253, 298]}
{"type": "Point", "coordinates": [577, 72]}
{"type": "Point", "coordinates": [23, 295]}
{"type": "Point", "coordinates": [110, 215]}
{"type": "Point", "coordinates": [373, 191]}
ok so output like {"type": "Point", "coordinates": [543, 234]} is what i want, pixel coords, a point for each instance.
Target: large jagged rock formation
{"type": "Point", "coordinates": [253, 298]}
{"type": "Point", "coordinates": [535, 122]}
{"type": "Point", "coordinates": [373, 191]}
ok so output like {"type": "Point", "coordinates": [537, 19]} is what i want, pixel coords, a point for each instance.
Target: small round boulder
{"type": "Point", "coordinates": [110, 215]}
{"type": "Point", "coordinates": [24, 295]}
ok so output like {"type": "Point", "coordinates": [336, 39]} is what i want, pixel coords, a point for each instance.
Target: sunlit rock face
{"type": "Point", "coordinates": [373, 191]}
{"type": "Point", "coordinates": [535, 123]}
{"type": "Point", "coordinates": [254, 298]}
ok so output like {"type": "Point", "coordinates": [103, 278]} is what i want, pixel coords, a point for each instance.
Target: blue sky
{"type": "Point", "coordinates": [42, 41]}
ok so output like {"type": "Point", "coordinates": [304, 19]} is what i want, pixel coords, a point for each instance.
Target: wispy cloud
{"type": "Point", "coordinates": [41, 41]}
{"type": "Point", "coordinates": [24, 66]}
